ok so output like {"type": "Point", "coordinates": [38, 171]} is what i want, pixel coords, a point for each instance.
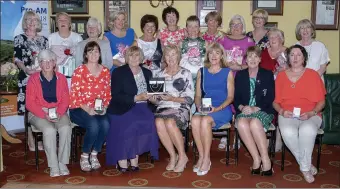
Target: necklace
{"type": "Point", "coordinates": [297, 79]}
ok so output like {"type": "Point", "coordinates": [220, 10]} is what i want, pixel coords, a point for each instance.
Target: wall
{"type": "Point", "coordinates": [293, 12]}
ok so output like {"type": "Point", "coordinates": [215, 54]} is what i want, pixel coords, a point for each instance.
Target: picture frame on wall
{"type": "Point", "coordinates": [274, 7]}
{"type": "Point", "coordinates": [325, 14]}
{"type": "Point", "coordinates": [70, 6]}
{"type": "Point", "coordinates": [112, 6]}
{"type": "Point", "coordinates": [205, 6]}
{"type": "Point", "coordinates": [270, 25]}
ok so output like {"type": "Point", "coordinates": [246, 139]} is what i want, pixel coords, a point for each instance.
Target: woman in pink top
{"type": "Point", "coordinates": [47, 100]}
{"type": "Point", "coordinates": [171, 34]}
{"type": "Point", "coordinates": [236, 44]}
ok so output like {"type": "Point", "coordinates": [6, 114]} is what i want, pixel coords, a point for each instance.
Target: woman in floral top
{"type": "Point", "coordinates": [26, 49]}
{"type": "Point", "coordinates": [91, 84]}
{"type": "Point", "coordinates": [259, 35]}
{"type": "Point", "coordinates": [171, 34]}
{"type": "Point", "coordinates": [213, 21]}
{"type": "Point", "coordinates": [193, 47]}
{"type": "Point", "coordinates": [173, 108]}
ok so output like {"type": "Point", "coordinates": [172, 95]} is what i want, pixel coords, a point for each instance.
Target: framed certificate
{"type": "Point", "coordinates": [273, 7]}
{"type": "Point", "coordinates": [325, 14]}
{"type": "Point", "coordinates": [205, 6]}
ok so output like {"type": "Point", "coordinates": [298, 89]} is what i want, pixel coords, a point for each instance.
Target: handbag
{"type": "Point", "coordinates": [156, 85]}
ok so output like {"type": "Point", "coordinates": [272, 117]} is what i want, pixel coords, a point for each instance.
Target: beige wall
{"type": "Point", "coordinates": [293, 12]}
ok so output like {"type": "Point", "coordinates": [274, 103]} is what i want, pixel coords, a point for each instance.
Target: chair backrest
{"type": "Point", "coordinates": [332, 84]}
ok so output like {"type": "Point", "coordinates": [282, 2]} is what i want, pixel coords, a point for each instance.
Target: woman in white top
{"type": "Point", "coordinates": [318, 56]}
{"type": "Point", "coordinates": [63, 43]}
{"type": "Point", "coordinates": [150, 45]}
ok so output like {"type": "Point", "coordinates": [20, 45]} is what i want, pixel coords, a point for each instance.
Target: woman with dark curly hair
{"type": "Point", "coordinates": [172, 34]}
{"type": "Point", "coordinates": [173, 107]}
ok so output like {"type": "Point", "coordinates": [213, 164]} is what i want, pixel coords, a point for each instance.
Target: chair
{"type": "Point", "coordinates": [271, 135]}
{"type": "Point", "coordinates": [223, 131]}
{"type": "Point", "coordinates": [37, 134]}
{"type": "Point", "coordinates": [77, 131]}
{"type": "Point", "coordinates": [331, 113]}
{"type": "Point", "coordinates": [319, 137]}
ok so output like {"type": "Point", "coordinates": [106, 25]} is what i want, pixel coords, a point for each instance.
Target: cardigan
{"type": "Point", "coordinates": [264, 90]}
{"type": "Point", "coordinates": [124, 89]}
{"type": "Point", "coordinates": [35, 101]}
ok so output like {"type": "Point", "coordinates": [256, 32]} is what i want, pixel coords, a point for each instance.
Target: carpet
{"type": "Point", "coordinates": [19, 171]}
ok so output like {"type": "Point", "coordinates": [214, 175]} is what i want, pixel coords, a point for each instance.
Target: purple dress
{"type": "Point", "coordinates": [236, 48]}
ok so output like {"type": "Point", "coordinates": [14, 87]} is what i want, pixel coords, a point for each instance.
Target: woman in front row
{"type": "Point", "coordinates": [254, 110]}
{"type": "Point", "coordinates": [90, 84]}
{"type": "Point", "coordinates": [299, 105]}
{"type": "Point", "coordinates": [48, 90]}
{"type": "Point", "coordinates": [133, 131]}
{"type": "Point", "coordinates": [216, 82]}
{"type": "Point", "coordinates": [173, 108]}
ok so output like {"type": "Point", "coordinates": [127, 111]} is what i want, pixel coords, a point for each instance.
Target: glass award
{"type": "Point", "coordinates": [206, 105]}
{"type": "Point", "coordinates": [52, 113]}
{"type": "Point", "coordinates": [98, 105]}
{"type": "Point", "coordinates": [296, 112]}
{"type": "Point", "coordinates": [156, 85]}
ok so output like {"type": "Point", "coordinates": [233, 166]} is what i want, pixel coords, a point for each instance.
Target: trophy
{"type": "Point", "coordinates": [52, 113]}
{"type": "Point", "coordinates": [157, 85]}
{"type": "Point", "coordinates": [206, 105]}
{"type": "Point", "coordinates": [98, 106]}
{"type": "Point", "coordinates": [296, 112]}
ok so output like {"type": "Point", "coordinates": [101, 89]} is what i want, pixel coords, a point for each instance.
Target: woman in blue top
{"type": "Point", "coordinates": [120, 38]}
{"type": "Point", "coordinates": [216, 82]}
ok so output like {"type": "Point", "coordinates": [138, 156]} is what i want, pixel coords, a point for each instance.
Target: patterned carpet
{"type": "Point", "coordinates": [154, 175]}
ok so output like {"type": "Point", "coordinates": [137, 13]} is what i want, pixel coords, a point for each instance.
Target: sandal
{"type": "Point", "coordinates": [308, 176]}
{"type": "Point", "coordinates": [313, 170]}
{"type": "Point", "coordinates": [84, 163]}
{"type": "Point", "coordinates": [223, 143]}
{"type": "Point", "coordinates": [94, 161]}
{"type": "Point", "coordinates": [63, 169]}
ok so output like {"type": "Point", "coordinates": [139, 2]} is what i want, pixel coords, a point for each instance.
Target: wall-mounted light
{"type": "Point", "coordinates": [164, 2]}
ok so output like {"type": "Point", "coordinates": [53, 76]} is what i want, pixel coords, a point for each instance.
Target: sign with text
{"type": "Point", "coordinates": [8, 105]}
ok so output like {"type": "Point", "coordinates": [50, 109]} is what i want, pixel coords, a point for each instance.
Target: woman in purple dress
{"type": "Point", "coordinates": [133, 131]}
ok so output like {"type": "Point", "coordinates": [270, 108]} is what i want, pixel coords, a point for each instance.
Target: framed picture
{"type": "Point", "coordinates": [205, 6]}
{"type": "Point", "coordinates": [78, 25]}
{"type": "Point", "coordinates": [112, 6]}
{"type": "Point", "coordinates": [70, 6]}
{"type": "Point", "coordinates": [274, 7]}
{"type": "Point", "coordinates": [325, 14]}
{"type": "Point", "coordinates": [270, 25]}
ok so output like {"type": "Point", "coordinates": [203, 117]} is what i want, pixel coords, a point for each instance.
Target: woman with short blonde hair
{"type": "Point", "coordinates": [173, 107]}
{"type": "Point", "coordinates": [318, 56]}
{"type": "Point", "coordinates": [259, 34]}
{"type": "Point", "coordinates": [26, 48]}
{"type": "Point", "coordinates": [120, 37]}
{"type": "Point", "coordinates": [213, 20]}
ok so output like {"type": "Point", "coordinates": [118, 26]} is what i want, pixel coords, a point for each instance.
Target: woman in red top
{"type": "Point", "coordinates": [91, 89]}
{"type": "Point", "coordinates": [47, 100]}
{"type": "Point", "coordinates": [299, 105]}
{"type": "Point", "coordinates": [274, 58]}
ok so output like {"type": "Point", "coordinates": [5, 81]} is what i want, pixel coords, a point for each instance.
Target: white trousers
{"type": "Point", "coordinates": [299, 137]}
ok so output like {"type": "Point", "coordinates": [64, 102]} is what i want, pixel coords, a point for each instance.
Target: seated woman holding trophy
{"type": "Point", "coordinates": [173, 102]}
{"type": "Point", "coordinates": [133, 131]}
{"type": "Point", "coordinates": [254, 111]}
{"type": "Point", "coordinates": [213, 97]}
{"type": "Point", "coordinates": [47, 100]}
{"type": "Point", "coordinates": [90, 97]}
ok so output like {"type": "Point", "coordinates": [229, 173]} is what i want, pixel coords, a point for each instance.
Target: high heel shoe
{"type": "Point", "coordinates": [268, 172]}
{"type": "Point", "coordinates": [201, 173]}
{"type": "Point", "coordinates": [121, 169]}
{"type": "Point", "coordinates": [256, 171]}
{"type": "Point", "coordinates": [179, 169]}
{"type": "Point", "coordinates": [170, 166]}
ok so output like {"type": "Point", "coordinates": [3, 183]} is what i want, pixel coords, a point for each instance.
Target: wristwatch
{"type": "Point", "coordinates": [315, 113]}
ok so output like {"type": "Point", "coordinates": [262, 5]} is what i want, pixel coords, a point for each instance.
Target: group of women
{"type": "Point", "coordinates": [250, 75]}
